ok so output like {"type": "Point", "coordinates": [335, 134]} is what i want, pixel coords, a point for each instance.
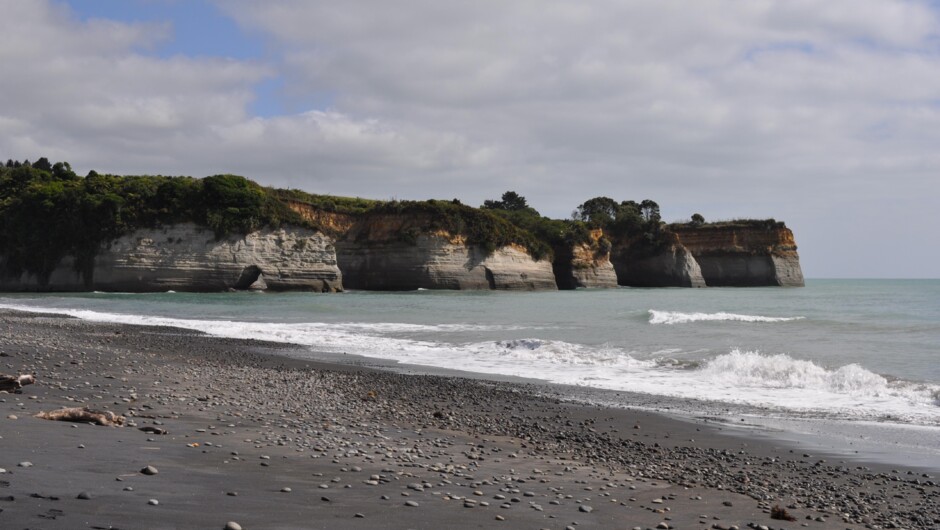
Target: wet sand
{"type": "Point", "coordinates": [256, 437]}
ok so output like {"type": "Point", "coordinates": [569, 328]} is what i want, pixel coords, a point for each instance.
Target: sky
{"type": "Point", "coordinates": [825, 115]}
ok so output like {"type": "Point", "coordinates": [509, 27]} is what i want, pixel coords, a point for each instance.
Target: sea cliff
{"type": "Point", "coordinates": [63, 232]}
{"type": "Point", "coordinates": [400, 252]}
{"type": "Point", "coordinates": [744, 254]}
{"type": "Point", "coordinates": [665, 264]}
{"type": "Point", "coordinates": [188, 257]}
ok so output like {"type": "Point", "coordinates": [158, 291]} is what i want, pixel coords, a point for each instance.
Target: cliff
{"type": "Point", "coordinates": [585, 265]}
{"type": "Point", "coordinates": [743, 254]}
{"type": "Point", "coordinates": [667, 264]}
{"type": "Point", "coordinates": [399, 252]}
{"type": "Point", "coordinates": [187, 257]}
{"type": "Point", "coordinates": [60, 231]}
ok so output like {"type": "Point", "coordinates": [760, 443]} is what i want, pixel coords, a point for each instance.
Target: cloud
{"type": "Point", "coordinates": [808, 112]}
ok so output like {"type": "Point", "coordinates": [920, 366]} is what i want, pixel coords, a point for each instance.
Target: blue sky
{"type": "Point", "coordinates": [198, 28]}
{"type": "Point", "coordinates": [823, 115]}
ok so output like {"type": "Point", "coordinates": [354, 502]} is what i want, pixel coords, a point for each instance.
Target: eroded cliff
{"type": "Point", "coordinates": [399, 252]}
{"type": "Point", "coordinates": [667, 263]}
{"type": "Point", "coordinates": [187, 257]}
{"type": "Point", "coordinates": [585, 265]}
{"type": "Point", "coordinates": [745, 254]}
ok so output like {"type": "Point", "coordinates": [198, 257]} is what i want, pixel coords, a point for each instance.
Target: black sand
{"type": "Point", "coordinates": [266, 441]}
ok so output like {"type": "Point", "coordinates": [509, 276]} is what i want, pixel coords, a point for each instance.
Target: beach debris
{"type": "Point", "coordinates": [84, 414]}
{"type": "Point", "coordinates": [14, 383]}
{"type": "Point", "coordinates": [371, 395]}
{"type": "Point", "coordinates": [152, 430]}
{"type": "Point", "coordinates": [781, 513]}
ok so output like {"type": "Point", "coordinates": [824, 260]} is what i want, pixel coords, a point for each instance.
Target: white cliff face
{"type": "Point", "coordinates": [589, 268]}
{"type": "Point", "coordinates": [512, 268]}
{"type": "Point", "coordinates": [599, 275]}
{"type": "Point", "coordinates": [187, 257]}
{"type": "Point", "coordinates": [788, 271]}
{"type": "Point", "coordinates": [434, 262]}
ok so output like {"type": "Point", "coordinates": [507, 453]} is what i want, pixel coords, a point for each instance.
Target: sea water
{"type": "Point", "coordinates": [865, 351]}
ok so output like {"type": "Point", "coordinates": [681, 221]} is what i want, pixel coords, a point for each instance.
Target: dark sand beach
{"type": "Point", "coordinates": [266, 441]}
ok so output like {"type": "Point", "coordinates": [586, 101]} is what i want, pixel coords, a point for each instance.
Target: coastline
{"type": "Point", "coordinates": [439, 439]}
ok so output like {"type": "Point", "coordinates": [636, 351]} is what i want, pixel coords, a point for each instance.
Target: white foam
{"type": "Point", "coordinates": [676, 317]}
{"type": "Point", "coordinates": [778, 381]}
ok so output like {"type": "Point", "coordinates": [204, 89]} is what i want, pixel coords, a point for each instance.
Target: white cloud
{"type": "Point", "coordinates": [718, 106]}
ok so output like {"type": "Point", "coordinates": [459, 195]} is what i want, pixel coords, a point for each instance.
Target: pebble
{"type": "Point", "coordinates": [232, 525]}
{"type": "Point", "coordinates": [413, 504]}
{"type": "Point", "coordinates": [153, 502]}
{"type": "Point", "coordinates": [500, 518]}
{"type": "Point", "coordinates": [25, 464]}
{"type": "Point", "coordinates": [84, 496]}
{"type": "Point", "coordinates": [286, 490]}
{"type": "Point", "coordinates": [12, 417]}
{"type": "Point", "coordinates": [149, 470]}
{"type": "Point", "coordinates": [585, 508]}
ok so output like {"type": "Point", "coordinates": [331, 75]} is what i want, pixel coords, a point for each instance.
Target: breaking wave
{"type": "Point", "coordinates": [675, 317]}
{"type": "Point", "coordinates": [778, 381]}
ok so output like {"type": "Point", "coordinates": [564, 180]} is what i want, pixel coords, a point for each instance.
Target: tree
{"type": "Point", "coordinates": [42, 164]}
{"type": "Point", "coordinates": [697, 219]}
{"type": "Point", "coordinates": [511, 201]}
{"type": "Point", "coordinates": [62, 171]}
{"type": "Point", "coordinates": [599, 211]}
{"type": "Point", "coordinates": [649, 209]}
{"type": "Point", "coordinates": [514, 202]}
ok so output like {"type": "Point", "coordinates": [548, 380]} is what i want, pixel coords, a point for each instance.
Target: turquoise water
{"type": "Point", "coordinates": [855, 349]}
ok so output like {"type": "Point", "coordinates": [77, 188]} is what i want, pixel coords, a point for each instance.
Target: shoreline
{"type": "Point", "coordinates": [857, 440]}
{"type": "Point", "coordinates": [420, 435]}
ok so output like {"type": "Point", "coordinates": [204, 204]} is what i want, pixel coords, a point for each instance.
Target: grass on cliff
{"type": "Point", "coordinates": [753, 224]}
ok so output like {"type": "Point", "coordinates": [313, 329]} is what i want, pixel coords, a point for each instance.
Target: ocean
{"type": "Point", "coordinates": [854, 352]}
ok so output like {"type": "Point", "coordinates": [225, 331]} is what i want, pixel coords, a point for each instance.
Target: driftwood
{"type": "Point", "coordinates": [13, 383]}
{"type": "Point", "coordinates": [84, 415]}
